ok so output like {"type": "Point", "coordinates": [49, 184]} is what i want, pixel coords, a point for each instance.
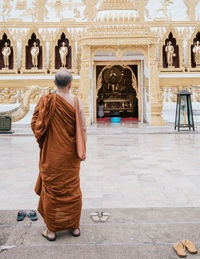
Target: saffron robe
{"type": "Point", "coordinates": [58, 184]}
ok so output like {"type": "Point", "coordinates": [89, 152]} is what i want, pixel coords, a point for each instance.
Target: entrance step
{"type": "Point", "coordinates": [130, 233]}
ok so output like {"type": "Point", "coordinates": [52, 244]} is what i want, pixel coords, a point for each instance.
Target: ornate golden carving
{"type": "Point", "coordinates": [21, 111]}
{"type": "Point", "coordinates": [190, 43]}
{"type": "Point", "coordinates": [169, 94]}
{"type": "Point", "coordinates": [191, 5]}
{"type": "Point", "coordinates": [21, 5]}
{"type": "Point", "coordinates": [164, 8]}
{"type": "Point", "coordinates": [38, 12]}
{"type": "Point", "coordinates": [54, 42]}
{"type": "Point", "coordinates": [59, 7]}
{"type": "Point", "coordinates": [13, 44]}
{"type": "Point", "coordinates": [6, 8]}
{"type": "Point", "coordinates": [25, 40]}
{"type": "Point", "coordinates": [90, 9]}
{"type": "Point", "coordinates": [179, 42]}
{"type": "Point", "coordinates": [196, 51]}
{"type": "Point", "coordinates": [98, 31]}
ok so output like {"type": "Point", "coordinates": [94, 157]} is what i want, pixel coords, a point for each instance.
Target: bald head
{"type": "Point", "coordinates": [63, 78]}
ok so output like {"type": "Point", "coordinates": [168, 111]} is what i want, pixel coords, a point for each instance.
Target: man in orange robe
{"type": "Point", "coordinates": [58, 184]}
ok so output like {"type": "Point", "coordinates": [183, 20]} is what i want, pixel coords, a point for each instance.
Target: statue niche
{"type": "Point", "coordinates": [34, 53]}
{"type": "Point", "coordinates": [170, 53]}
{"type": "Point", "coordinates": [117, 95]}
{"type": "Point", "coordinates": [6, 53]}
{"type": "Point", "coordinates": [63, 54]}
{"type": "Point", "coordinates": [195, 52]}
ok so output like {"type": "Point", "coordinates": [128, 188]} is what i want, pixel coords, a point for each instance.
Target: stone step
{"type": "Point", "coordinates": [130, 233]}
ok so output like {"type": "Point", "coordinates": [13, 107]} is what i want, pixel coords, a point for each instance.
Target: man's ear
{"type": "Point", "coordinates": [69, 85]}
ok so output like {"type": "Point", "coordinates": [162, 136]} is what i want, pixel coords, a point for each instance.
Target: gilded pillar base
{"type": "Point", "coordinates": [156, 115]}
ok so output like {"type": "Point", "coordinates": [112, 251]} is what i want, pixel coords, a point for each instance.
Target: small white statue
{"type": "Point", "coordinates": [63, 51]}
{"type": "Point", "coordinates": [6, 51]}
{"type": "Point", "coordinates": [34, 53]}
{"type": "Point", "coordinates": [196, 51]}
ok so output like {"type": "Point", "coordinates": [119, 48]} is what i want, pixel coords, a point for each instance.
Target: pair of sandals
{"type": "Point", "coordinates": [45, 235]}
{"type": "Point", "coordinates": [180, 248]}
{"type": "Point", "coordinates": [31, 214]}
{"type": "Point", "coordinates": [100, 216]}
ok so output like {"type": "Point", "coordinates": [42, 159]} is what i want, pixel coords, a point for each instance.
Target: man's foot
{"type": "Point", "coordinates": [75, 232]}
{"type": "Point", "coordinates": [50, 236]}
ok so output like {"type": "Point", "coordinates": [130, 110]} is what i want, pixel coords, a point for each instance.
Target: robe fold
{"type": "Point", "coordinates": [58, 183]}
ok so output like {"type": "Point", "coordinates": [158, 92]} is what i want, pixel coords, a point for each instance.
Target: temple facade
{"type": "Point", "coordinates": [127, 57]}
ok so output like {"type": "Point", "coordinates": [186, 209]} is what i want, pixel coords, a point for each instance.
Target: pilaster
{"type": "Point", "coordinates": [155, 94]}
{"type": "Point", "coordinates": [84, 90]}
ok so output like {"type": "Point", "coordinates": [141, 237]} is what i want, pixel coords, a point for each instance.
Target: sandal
{"type": "Point", "coordinates": [45, 235]}
{"type": "Point", "coordinates": [95, 216]}
{"type": "Point", "coordinates": [75, 235]}
{"type": "Point", "coordinates": [21, 215]}
{"type": "Point", "coordinates": [105, 216]}
{"type": "Point", "coordinates": [190, 246]}
{"type": "Point", "coordinates": [180, 249]}
{"type": "Point", "coordinates": [32, 215]}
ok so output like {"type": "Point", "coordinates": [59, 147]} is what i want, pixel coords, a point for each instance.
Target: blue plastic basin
{"type": "Point", "coordinates": [115, 119]}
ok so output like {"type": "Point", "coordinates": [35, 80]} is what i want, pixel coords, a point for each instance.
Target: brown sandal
{"type": "Point", "coordinates": [190, 246]}
{"type": "Point", "coordinates": [45, 235]}
{"type": "Point", "coordinates": [180, 249]}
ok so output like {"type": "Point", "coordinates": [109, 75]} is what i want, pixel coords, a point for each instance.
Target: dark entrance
{"type": "Point", "coordinates": [116, 93]}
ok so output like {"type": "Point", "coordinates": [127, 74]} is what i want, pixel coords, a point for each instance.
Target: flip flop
{"type": "Point", "coordinates": [45, 235]}
{"type": "Point", "coordinates": [95, 216]}
{"type": "Point", "coordinates": [32, 215]}
{"type": "Point", "coordinates": [105, 216]}
{"type": "Point", "coordinates": [180, 249]}
{"type": "Point", "coordinates": [190, 246]}
{"type": "Point", "coordinates": [75, 235]}
{"type": "Point", "coordinates": [21, 215]}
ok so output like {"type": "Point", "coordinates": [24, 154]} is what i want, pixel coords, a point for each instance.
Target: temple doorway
{"type": "Point", "coordinates": [117, 92]}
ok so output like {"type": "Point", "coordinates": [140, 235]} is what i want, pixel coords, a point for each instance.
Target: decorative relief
{"type": "Point", "coordinates": [85, 38]}
{"type": "Point", "coordinates": [164, 8]}
{"type": "Point", "coordinates": [90, 9]}
{"type": "Point", "coordinates": [38, 12]}
{"type": "Point", "coordinates": [191, 6]}
{"type": "Point", "coordinates": [171, 51]}
{"type": "Point", "coordinates": [33, 53]}
{"type": "Point", "coordinates": [24, 97]}
{"type": "Point", "coordinates": [169, 94]}
{"type": "Point", "coordinates": [6, 8]}
{"type": "Point", "coordinates": [63, 42]}
{"type": "Point", "coordinates": [59, 7]}
{"type": "Point", "coordinates": [21, 5]}
{"type": "Point", "coordinates": [194, 51]}
{"type": "Point", "coordinates": [8, 51]}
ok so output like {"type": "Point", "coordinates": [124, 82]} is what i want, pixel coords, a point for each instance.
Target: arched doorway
{"type": "Point", "coordinates": [117, 91]}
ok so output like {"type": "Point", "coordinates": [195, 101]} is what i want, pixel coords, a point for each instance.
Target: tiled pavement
{"type": "Point", "coordinates": [130, 166]}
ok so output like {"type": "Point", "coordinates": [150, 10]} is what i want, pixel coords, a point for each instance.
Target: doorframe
{"type": "Point", "coordinates": [140, 84]}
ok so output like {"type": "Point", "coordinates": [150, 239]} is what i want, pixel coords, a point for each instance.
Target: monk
{"type": "Point", "coordinates": [58, 184]}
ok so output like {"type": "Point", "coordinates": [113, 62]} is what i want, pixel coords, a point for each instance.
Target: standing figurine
{"type": "Point", "coordinates": [6, 51]}
{"type": "Point", "coordinates": [196, 51]}
{"type": "Point", "coordinates": [63, 51]}
{"type": "Point", "coordinates": [170, 54]}
{"type": "Point", "coordinates": [34, 53]}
